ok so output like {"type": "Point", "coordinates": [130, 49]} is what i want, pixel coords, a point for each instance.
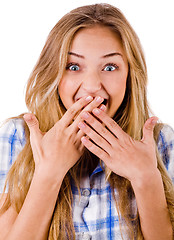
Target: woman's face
{"type": "Point", "coordinates": [97, 66]}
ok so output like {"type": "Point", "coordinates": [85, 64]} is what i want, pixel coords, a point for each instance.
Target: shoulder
{"type": "Point", "coordinates": [13, 130]}
{"type": "Point", "coordinates": [12, 141]}
{"type": "Point", "coordinates": [166, 143]}
{"type": "Point", "coordinates": [166, 148]}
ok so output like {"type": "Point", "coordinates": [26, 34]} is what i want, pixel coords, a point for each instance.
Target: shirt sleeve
{"type": "Point", "coordinates": [12, 141]}
{"type": "Point", "coordinates": [166, 148]}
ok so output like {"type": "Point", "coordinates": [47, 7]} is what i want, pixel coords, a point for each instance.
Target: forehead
{"type": "Point", "coordinates": [97, 37]}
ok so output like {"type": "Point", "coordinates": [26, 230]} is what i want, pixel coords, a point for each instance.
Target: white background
{"type": "Point", "coordinates": [24, 27]}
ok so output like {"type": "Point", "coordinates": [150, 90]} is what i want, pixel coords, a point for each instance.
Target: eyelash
{"type": "Point", "coordinates": [112, 64]}
{"type": "Point", "coordinates": [108, 64]}
{"type": "Point", "coordinates": [71, 64]}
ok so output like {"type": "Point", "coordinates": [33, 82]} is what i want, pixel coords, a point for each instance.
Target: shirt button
{"type": "Point", "coordinates": [86, 236]}
{"type": "Point", "coordinates": [86, 192]}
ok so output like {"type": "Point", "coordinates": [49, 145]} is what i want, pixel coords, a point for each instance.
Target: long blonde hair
{"type": "Point", "coordinates": [42, 98]}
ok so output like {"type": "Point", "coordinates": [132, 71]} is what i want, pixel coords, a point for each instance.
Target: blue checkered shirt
{"type": "Point", "coordinates": [94, 215]}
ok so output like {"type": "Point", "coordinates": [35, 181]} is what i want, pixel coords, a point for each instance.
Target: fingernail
{"type": "Point", "coordinates": [84, 140]}
{"type": "Point", "coordinates": [89, 98]}
{"type": "Point", "coordinates": [96, 111]}
{"type": "Point", "coordinates": [102, 107]}
{"type": "Point", "coordinates": [154, 121]}
{"type": "Point", "coordinates": [99, 99]}
{"type": "Point", "coordinates": [27, 117]}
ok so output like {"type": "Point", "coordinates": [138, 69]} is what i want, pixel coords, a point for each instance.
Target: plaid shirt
{"type": "Point", "coordinates": [94, 215]}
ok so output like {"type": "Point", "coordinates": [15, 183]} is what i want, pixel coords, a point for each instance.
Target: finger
{"type": "Point", "coordinates": [69, 115]}
{"type": "Point", "coordinates": [99, 127]}
{"type": "Point", "coordinates": [81, 148]}
{"type": "Point", "coordinates": [148, 130]}
{"type": "Point", "coordinates": [35, 133]}
{"type": "Point", "coordinates": [109, 123]}
{"type": "Point", "coordinates": [32, 124]}
{"type": "Point", "coordinates": [103, 107]}
{"type": "Point", "coordinates": [94, 149]}
{"type": "Point", "coordinates": [78, 137]}
{"type": "Point", "coordinates": [95, 103]}
{"type": "Point", "coordinates": [95, 137]}
{"type": "Point", "coordinates": [78, 142]}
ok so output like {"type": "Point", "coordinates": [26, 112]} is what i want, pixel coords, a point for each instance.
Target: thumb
{"type": "Point", "coordinates": [35, 133]}
{"type": "Point", "coordinates": [32, 124]}
{"type": "Point", "coordinates": [148, 129]}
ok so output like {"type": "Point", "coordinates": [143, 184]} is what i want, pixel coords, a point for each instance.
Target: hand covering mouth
{"type": "Point", "coordinates": [105, 102]}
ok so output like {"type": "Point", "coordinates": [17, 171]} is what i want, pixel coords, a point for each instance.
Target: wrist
{"type": "Point", "coordinates": [146, 180]}
{"type": "Point", "coordinates": [50, 177]}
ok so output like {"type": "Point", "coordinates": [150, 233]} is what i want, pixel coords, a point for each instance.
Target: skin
{"type": "Point", "coordinates": [54, 152]}
{"type": "Point", "coordinates": [134, 160]}
{"type": "Point", "coordinates": [57, 150]}
{"type": "Point", "coordinates": [88, 70]}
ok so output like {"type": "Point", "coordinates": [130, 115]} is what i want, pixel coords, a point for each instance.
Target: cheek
{"type": "Point", "coordinates": [64, 92]}
{"type": "Point", "coordinates": [116, 93]}
{"type": "Point", "coordinates": [117, 97]}
{"type": "Point", "coordinates": [67, 88]}
{"type": "Point", "coordinates": [118, 88]}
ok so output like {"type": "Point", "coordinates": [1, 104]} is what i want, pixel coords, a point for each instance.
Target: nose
{"type": "Point", "coordinates": [91, 82]}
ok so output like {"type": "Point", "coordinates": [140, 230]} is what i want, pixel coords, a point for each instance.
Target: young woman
{"type": "Point", "coordinates": [88, 162]}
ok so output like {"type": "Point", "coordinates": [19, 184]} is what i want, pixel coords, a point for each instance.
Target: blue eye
{"type": "Point", "coordinates": [110, 67]}
{"type": "Point", "coordinates": [73, 67]}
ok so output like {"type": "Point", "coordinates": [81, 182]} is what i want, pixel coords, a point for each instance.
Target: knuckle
{"type": "Point", "coordinates": [82, 102]}
{"type": "Point", "coordinates": [88, 130]}
{"type": "Point", "coordinates": [102, 155]}
{"type": "Point", "coordinates": [148, 127]}
{"type": "Point", "coordinates": [58, 126]}
{"type": "Point", "coordinates": [72, 111]}
{"type": "Point", "coordinates": [91, 120]}
{"type": "Point", "coordinates": [99, 140]}
{"type": "Point", "coordinates": [112, 124]}
{"type": "Point", "coordinates": [66, 133]}
{"type": "Point", "coordinates": [95, 149]}
{"type": "Point", "coordinates": [34, 123]}
{"type": "Point", "coordinates": [80, 115]}
{"type": "Point", "coordinates": [130, 142]}
{"type": "Point", "coordinates": [103, 131]}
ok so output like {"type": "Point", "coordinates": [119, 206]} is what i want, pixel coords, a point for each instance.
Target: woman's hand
{"type": "Point", "coordinates": [56, 151]}
{"type": "Point", "coordinates": [122, 154]}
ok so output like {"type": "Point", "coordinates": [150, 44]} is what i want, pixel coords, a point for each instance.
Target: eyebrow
{"type": "Point", "coordinates": [105, 56]}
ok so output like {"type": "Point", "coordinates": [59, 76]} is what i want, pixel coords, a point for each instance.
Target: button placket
{"type": "Point", "coordinates": [85, 194]}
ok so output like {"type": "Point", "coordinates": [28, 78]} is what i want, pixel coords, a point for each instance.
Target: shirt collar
{"type": "Point", "coordinates": [100, 168]}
